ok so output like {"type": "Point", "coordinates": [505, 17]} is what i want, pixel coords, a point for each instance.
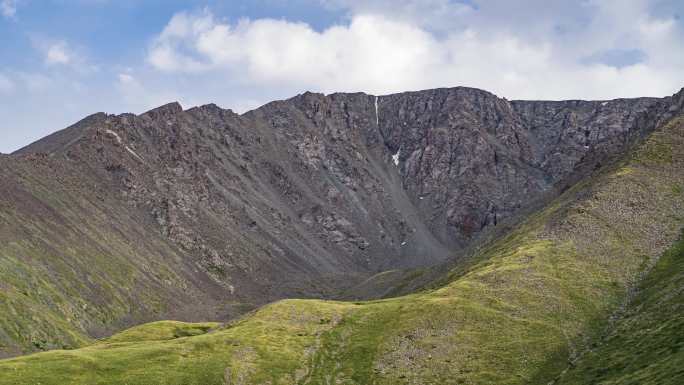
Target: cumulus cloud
{"type": "Point", "coordinates": [381, 48]}
{"type": "Point", "coordinates": [372, 52]}
{"type": "Point", "coordinates": [63, 56]}
{"type": "Point", "coordinates": [58, 53]}
{"type": "Point", "coordinates": [278, 52]}
{"type": "Point", "coordinates": [8, 8]}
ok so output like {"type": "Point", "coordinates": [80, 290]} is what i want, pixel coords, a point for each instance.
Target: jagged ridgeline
{"type": "Point", "coordinates": [526, 224]}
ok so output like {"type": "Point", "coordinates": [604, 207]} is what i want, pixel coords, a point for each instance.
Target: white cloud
{"type": "Point", "coordinates": [8, 8]}
{"type": "Point", "coordinates": [58, 53]}
{"type": "Point", "coordinates": [6, 84]}
{"type": "Point", "coordinates": [383, 52]}
{"type": "Point", "coordinates": [136, 97]}
{"type": "Point", "coordinates": [532, 49]}
{"type": "Point", "coordinates": [130, 88]}
{"type": "Point", "coordinates": [429, 14]}
{"type": "Point", "coordinates": [126, 79]}
{"type": "Point", "coordinates": [64, 56]}
{"type": "Point", "coordinates": [166, 56]}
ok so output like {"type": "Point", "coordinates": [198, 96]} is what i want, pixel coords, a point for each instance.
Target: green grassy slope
{"type": "Point", "coordinates": [517, 313]}
{"type": "Point", "coordinates": [646, 344]}
{"type": "Point", "coordinates": [79, 268]}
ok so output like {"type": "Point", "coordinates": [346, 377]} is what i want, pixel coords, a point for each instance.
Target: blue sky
{"type": "Point", "coordinates": [61, 60]}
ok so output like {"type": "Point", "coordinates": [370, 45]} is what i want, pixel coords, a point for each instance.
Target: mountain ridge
{"type": "Point", "coordinates": [304, 197]}
{"type": "Point", "coordinates": [519, 311]}
{"type": "Point", "coordinates": [175, 107]}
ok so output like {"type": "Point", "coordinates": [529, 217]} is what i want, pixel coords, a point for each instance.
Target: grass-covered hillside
{"type": "Point", "coordinates": [645, 343]}
{"type": "Point", "coordinates": [523, 310]}
{"type": "Point", "coordinates": [75, 263]}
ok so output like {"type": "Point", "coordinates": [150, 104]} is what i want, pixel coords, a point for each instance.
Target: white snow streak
{"type": "Point", "coordinates": [130, 150]}
{"type": "Point", "coordinates": [395, 158]}
{"type": "Point", "coordinates": [377, 117]}
{"type": "Point", "coordinates": [114, 134]}
{"type": "Point", "coordinates": [135, 154]}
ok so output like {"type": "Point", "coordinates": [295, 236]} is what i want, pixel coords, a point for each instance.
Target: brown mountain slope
{"type": "Point", "coordinates": [205, 213]}
{"type": "Point", "coordinates": [524, 309]}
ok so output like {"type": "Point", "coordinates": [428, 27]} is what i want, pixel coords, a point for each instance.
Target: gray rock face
{"type": "Point", "coordinates": [469, 159]}
{"type": "Point", "coordinates": [308, 196]}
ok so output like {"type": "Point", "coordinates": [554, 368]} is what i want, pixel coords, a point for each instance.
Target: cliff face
{"type": "Point", "coordinates": [308, 196]}
{"type": "Point", "coordinates": [469, 159]}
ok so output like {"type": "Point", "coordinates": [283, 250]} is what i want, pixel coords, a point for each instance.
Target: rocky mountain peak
{"type": "Point", "coordinates": [168, 109]}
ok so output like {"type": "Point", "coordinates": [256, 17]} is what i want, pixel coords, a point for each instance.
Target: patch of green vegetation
{"type": "Point", "coordinates": [162, 330]}
{"type": "Point", "coordinates": [269, 346]}
{"type": "Point", "coordinates": [516, 313]}
{"type": "Point", "coordinates": [390, 283]}
{"type": "Point", "coordinates": [659, 148]}
{"type": "Point", "coordinates": [69, 267]}
{"type": "Point", "coordinates": [646, 344]}
{"type": "Point", "coordinates": [47, 330]}
{"type": "Point", "coordinates": [660, 152]}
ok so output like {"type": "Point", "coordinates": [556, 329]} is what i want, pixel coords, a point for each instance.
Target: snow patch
{"type": "Point", "coordinates": [395, 158]}
{"type": "Point", "coordinates": [134, 154]}
{"type": "Point", "coordinates": [115, 135]}
{"type": "Point", "coordinates": [377, 117]}
{"type": "Point", "coordinates": [403, 243]}
{"type": "Point", "coordinates": [604, 103]}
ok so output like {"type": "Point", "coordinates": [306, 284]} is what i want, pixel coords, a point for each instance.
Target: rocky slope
{"type": "Point", "coordinates": [557, 290]}
{"type": "Point", "coordinates": [124, 218]}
